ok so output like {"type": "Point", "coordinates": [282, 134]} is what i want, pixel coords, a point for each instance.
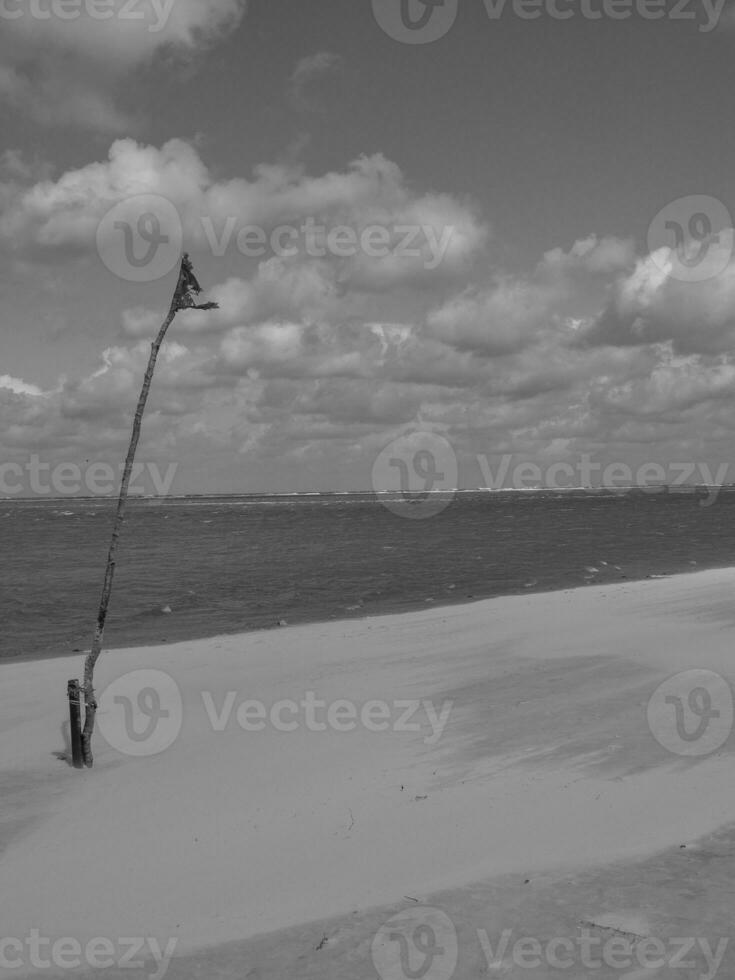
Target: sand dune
{"type": "Point", "coordinates": [519, 736]}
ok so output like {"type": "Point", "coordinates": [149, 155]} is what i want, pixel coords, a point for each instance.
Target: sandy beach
{"type": "Point", "coordinates": [270, 800]}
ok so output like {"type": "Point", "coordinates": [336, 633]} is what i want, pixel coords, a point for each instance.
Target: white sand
{"type": "Point", "coordinates": [546, 761]}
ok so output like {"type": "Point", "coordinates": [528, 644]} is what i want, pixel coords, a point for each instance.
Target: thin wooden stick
{"type": "Point", "coordinates": [182, 299]}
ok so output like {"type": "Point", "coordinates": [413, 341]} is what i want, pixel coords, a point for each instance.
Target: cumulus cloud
{"type": "Point", "coordinates": [19, 387]}
{"type": "Point", "coordinates": [67, 212]}
{"type": "Point", "coordinates": [654, 304]}
{"type": "Point", "coordinates": [673, 386]}
{"type": "Point", "coordinates": [495, 320]}
{"type": "Point", "coordinates": [89, 416]}
{"type": "Point", "coordinates": [127, 34]}
{"type": "Point", "coordinates": [63, 71]}
{"type": "Point", "coordinates": [512, 312]}
{"type": "Point", "coordinates": [277, 290]}
{"type": "Point", "coordinates": [319, 357]}
{"type": "Point", "coordinates": [592, 255]}
{"type": "Point", "coordinates": [366, 221]}
{"type": "Point", "coordinates": [43, 101]}
{"type": "Point", "coordinates": [309, 82]}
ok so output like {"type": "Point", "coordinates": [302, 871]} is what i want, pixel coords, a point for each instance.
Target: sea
{"type": "Point", "coordinates": [195, 567]}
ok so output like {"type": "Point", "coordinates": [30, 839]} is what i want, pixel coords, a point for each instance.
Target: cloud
{"type": "Point", "coordinates": [74, 104]}
{"type": "Point", "coordinates": [673, 387]}
{"type": "Point", "coordinates": [128, 35]}
{"type": "Point", "coordinates": [286, 391]}
{"type": "Point", "coordinates": [14, 166]}
{"type": "Point", "coordinates": [654, 305]}
{"type": "Point", "coordinates": [496, 320]}
{"type": "Point", "coordinates": [312, 362]}
{"type": "Point", "coordinates": [591, 256]}
{"type": "Point", "coordinates": [277, 290]}
{"type": "Point", "coordinates": [513, 312]}
{"type": "Point", "coordinates": [398, 236]}
{"type": "Point", "coordinates": [68, 72]}
{"type": "Point", "coordinates": [54, 215]}
{"type": "Point", "coordinates": [19, 387]}
{"type": "Point", "coordinates": [311, 78]}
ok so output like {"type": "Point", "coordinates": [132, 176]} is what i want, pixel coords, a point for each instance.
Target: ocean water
{"type": "Point", "coordinates": [232, 564]}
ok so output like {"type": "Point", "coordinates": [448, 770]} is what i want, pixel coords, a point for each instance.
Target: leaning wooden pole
{"type": "Point", "coordinates": [186, 287]}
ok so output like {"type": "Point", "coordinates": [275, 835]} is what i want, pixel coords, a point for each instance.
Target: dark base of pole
{"type": "Point", "coordinates": [75, 724]}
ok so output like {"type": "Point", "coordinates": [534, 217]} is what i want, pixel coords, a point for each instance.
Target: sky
{"type": "Point", "coordinates": [447, 240]}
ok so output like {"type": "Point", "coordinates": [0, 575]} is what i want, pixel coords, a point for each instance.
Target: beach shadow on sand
{"type": "Point", "coordinates": [64, 755]}
{"type": "Point", "coordinates": [685, 891]}
{"type": "Point", "coordinates": [25, 795]}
